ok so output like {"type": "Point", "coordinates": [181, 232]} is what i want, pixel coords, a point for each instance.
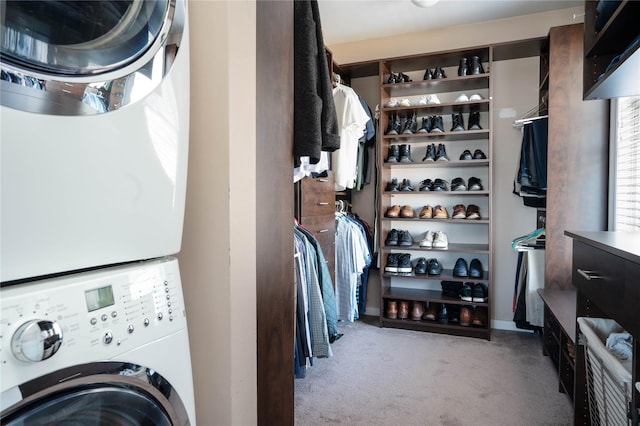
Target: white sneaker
{"type": "Point", "coordinates": [462, 98]}
{"type": "Point", "coordinates": [405, 102]}
{"type": "Point", "coordinates": [440, 240]}
{"type": "Point", "coordinates": [423, 101]}
{"type": "Point", "coordinates": [433, 99]}
{"type": "Point", "coordinates": [476, 97]}
{"type": "Point", "coordinates": [428, 239]}
{"type": "Point", "coordinates": [392, 103]}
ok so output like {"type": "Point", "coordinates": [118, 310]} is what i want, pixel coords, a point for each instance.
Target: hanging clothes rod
{"type": "Point", "coordinates": [521, 122]}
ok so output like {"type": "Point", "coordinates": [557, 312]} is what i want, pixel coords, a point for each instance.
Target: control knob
{"type": "Point", "coordinates": [36, 340]}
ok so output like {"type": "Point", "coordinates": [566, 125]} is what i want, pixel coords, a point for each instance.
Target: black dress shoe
{"type": "Point", "coordinates": [421, 266]}
{"type": "Point", "coordinates": [443, 314]}
{"type": "Point", "coordinates": [434, 267]}
{"type": "Point", "coordinates": [439, 73]}
{"type": "Point", "coordinates": [466, 155]}
{"type": "Point", "coordinates": [403, 78]}
{"type": "Point", "coordinates": [479, 155]}
{"type": "Point", "coordinates": [463, 68]}
{"type": "Point", "coordinates": [475, 67]}
{"type": "Point", "coordinates": [454, 314]}
{"type": "Point", "coordinates": [427, 75]}
{"type": "Point", "coordinates": [460, 269]}
{"type": "Point", "coordinates": [475, 268]}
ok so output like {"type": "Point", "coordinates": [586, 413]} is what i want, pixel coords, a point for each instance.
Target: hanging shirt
{"type": "Point", "coordinates": [352, 119]}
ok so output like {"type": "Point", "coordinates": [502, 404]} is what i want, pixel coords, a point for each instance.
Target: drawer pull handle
{"type": "Point", "coordinates": [323, 180]}
{"type": "Point", "coordinates": [323, 230]}
{"type": "Point", "coordinates": [323, 203]}
{"type": "Point", "coordinates": [589, 275]}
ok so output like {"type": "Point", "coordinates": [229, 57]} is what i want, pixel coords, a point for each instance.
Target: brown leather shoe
{"type": "Point", "coordinates": [392, 309]}
{"type": "Point", "coordinates": [432, 312]}
{"type": "Point", "coordinates": [440, 212]}
{"type": "Point", "coordinates": [479, 317]}
{"type": "Point", "coordinates": [407, 211]}
{"type": "Point", "coordinates": [393, 211]}
{"type": "Point", "coordinates": [426, 212]}
{"type": "Point", "coordinates": [417, 311]}
{"type": "Point", "coordinates": [473, 212]}
{"type": "Point", "coordinates": [465, 315]}
{"type": "Point", "coordinates": [459, 212]}
{"type": "Point", "coordinates": [403, 309]}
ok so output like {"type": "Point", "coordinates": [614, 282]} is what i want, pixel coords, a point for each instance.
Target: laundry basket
{"type": "Point", "coordinates": [608, 378]}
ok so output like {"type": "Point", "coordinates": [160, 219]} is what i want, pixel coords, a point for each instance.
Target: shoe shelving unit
{"type": "Point", "coordinates": [468, 238]}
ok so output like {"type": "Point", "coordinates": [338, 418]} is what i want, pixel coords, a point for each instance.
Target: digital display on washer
{"type": "Point", "coordinates": [99, 298]}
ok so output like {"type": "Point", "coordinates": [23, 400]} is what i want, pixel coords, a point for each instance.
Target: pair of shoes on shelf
{"type": "Point", "coordinates": [437, 239]}
{"type": "Point", "coordinates": [473, 270]}
{"type": "Point", "coordinates": [477, 292]}
{"type": "Point", "coordinates": [470, 66]}
{"type": "Point", "coordinates": [437, 73]}
{"type": "Point", "coordinates": [405, 186]}
{"type": "Point", "coordinates": [458, 121]}
{"type": "Point", "coordinates": [398, 78]}
{"type": "Point", "coordinates": [399, 154]}
{"type": "Point", "coordinates": [397, 237]}
{"type": "Point", "coordinates": [432, 124]}
{"type": "Point", "coordinates": [470, 212]}
{"type": "Point", "coordinates": [393, 102]}
{"type": "Point", "coordinates": [458, 184]}
{"type": "Point", "coordinates": [437, 212]}
{"type": "Point", "coordinates": [398, 263]}
{"type": "Point", "coordinates": [427, 267]}
{"type": "Point", "coordinates": [436, 154]}
{"type": "Point", "coordinates": [472, 98]}
{"type": "Point", "coordinates": [437, 185]}
{"type": "Point", "coordinates": [429, 100]}
{"type": "Point", "coordinates": [477, 155]}
{"type": "Point", "coordinates": [397, 211]}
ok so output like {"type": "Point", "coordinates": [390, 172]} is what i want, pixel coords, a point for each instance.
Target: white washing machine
{"type": "Point", "coordinates": [107, 347]}
{"type": "Point", "coordinates": [94, 126]}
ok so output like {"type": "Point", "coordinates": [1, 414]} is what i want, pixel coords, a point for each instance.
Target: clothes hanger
{"type": "Point", "coordinates": [536, 113]}
{"type": "Point", "coordinates": [521, 243]}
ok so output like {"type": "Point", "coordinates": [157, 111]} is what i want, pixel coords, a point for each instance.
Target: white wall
{"type": "Point", "coordinates": [218, 256]}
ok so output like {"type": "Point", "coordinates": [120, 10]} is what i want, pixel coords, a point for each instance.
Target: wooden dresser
{"type": "Point", "coordinates": [606, 275]}
{"type": "Point", "coordinates": [315, 210]}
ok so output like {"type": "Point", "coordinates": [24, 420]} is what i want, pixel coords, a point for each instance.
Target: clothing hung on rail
{"type": "Point", "coordinates": [352, 121]}
{"type": "Point", "coordinates": [316, 316]}
{"type": "Point", "coordinates": [530, 182]}
{"type": "Point", "coordinates": [353, 259]}
{"type": "Point", "coordinates": [315, 123]}
{"type": "Point", "coordinates": [528, 307]}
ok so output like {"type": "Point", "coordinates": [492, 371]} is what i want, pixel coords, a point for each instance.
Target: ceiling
{"type": "Point", "coordinates": [351, 20]}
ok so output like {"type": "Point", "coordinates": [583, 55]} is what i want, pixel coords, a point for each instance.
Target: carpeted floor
{"type": "Point", "coordinates": [382, 376]}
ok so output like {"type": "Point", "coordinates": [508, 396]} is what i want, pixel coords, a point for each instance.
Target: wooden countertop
{"type": "Point", "coordinates": [624, 244]}
{"type": "Point", "coordinates": [563, 305]}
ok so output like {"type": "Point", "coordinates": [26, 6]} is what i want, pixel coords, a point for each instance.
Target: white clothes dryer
{"type": "Point", "coordinates": [94, 133]}
{"type": "Point", "coordinates": [107, 347]}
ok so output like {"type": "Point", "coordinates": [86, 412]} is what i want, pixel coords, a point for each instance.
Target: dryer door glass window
{"type": "Point", "coordinates": [101, 406]}
{"type": "Point", "coordinates": [79, 37]}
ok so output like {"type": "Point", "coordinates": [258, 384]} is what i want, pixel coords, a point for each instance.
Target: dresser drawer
{"type": "Point", "coordinates": [318, 203]}
{"type": "Point", "coordinates": [323, 229]}
{"type": "Point", "coordinates": [326, 184]}
{"type": "Point", "coordinates": [607, 280]}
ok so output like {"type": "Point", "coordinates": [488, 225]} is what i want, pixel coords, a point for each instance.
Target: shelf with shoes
{"type": "Point", "coordinates": [435, 120]}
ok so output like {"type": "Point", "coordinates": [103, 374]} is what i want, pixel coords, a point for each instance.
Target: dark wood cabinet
{"type": "Point", "coordinates": [315, 209]}
{"type": "Point", "coordinates": [606, 39]}
{"type": "Point", "coordinates": [577, 154]}
{"type": "Point", "coordinates": [606, 273]}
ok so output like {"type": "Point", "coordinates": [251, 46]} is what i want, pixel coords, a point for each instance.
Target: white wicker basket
{"type": "Point", "coordinates": [608, 379]}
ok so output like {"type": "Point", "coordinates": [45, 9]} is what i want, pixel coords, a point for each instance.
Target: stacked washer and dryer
{"type": "Point", "coordinates": [93, 150]}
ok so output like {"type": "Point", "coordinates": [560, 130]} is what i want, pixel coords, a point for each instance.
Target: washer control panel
{"type": "Point", "coordinates": [79, 318]}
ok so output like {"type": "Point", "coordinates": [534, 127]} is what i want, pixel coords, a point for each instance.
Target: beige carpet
{"type": "Point", "coordinates": [382, 376]}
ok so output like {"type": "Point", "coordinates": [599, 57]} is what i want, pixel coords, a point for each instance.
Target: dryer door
{"type": "Point", "coordinates": [101, 394]}
{"type": "Point", "coordinates": [105, 54]}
